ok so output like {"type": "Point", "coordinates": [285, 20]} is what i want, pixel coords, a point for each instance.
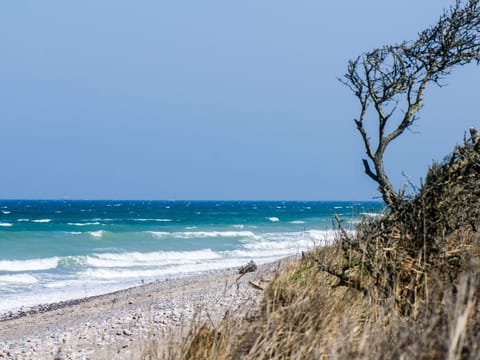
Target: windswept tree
{"type": "Point", "coordinates": [390, 83]}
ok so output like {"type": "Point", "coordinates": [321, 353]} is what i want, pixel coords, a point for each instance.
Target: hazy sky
{"type": "Point", "coordinates": [205, 99]}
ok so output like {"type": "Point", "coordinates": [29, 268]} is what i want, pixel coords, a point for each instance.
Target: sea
{"type": "Point", "coordinates": [57, 250]}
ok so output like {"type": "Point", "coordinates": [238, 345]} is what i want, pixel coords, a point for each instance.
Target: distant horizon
{"type": "Point", "coordinates": [185, 200]}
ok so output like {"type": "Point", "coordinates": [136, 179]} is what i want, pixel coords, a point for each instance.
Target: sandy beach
{"type": "Point", "coordinates": [121, 325]}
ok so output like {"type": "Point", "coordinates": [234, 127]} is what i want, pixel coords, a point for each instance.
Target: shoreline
{"type": "Point", "coordinates": [118, 325]}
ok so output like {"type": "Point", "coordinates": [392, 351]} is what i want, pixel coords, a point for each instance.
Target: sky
{"type": "Point", "coordinates": [210, 99]}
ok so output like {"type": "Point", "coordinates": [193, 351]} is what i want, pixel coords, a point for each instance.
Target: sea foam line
{"type": "Point", "coordinates": [157, 220]}
{"type": "Point", "coordinates": [18, 279]}
{"type": "Point", "coordinates": [160, 258]}
{"type": "Point", "coordinates": [84, 224]}
{"type": "Point", "coordinates": [202, 234]}
{"type": "Point", "coordinates": [29, 265]}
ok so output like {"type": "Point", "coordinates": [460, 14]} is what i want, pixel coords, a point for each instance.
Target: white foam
{"type": "Point", "coordinates": [29, 265]}
{"type": "Point", "coordinates": [97, 234]}
{"type": "Point", "coordinates": [56, 285]}
{"type": "Point", "coordinates": [370, 214]}
{"type": "Point", "coordinates": [291, 242]}
{"type": "Point", "coordinates": [157, 220]}
{"type": "Point", "coordinates": [23, 220]}
{"type": "Point", "coordinates": [6, 212]}
{"type": "Point", "coordinates": [321, 237]}
{"type": "Point", "coordinates": [84, 224]}
{"type": "Point", "coordinates": [110, 274]}
{"type": "Point", "coordinates": [160, 258]}
{"type": "Point", "coordinates": [280, 245]}
{"type": "Point", "coordinates": [74, 232]}
{"type": "Point", "coordinates": [274, 219]}
{"type": "Point", "coordinates": [159, 234]}
{"type": "Point", "coordinates": [42, 221]}
{"type": "Point", "coordinates": [140, 274]}
{"type": "Point", "coordinates": [5, 225]}
{"type": "Point", "coordinates": [262, 254]}
{"type": "Point", "coordinates": [238, 226]}
{"type": "Point", "coordinates": [18, 279]}
{"type": "Point", "coordinates": [203, 234]}
{"type": "Point", "coordinates": [297, 222]}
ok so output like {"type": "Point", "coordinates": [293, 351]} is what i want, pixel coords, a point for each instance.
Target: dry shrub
{"type": "Point", "coordinates": [406, 286]}
{"type": "Point", "coordinates": [430, 236]}
{"type": "Point", "coordinates": [306, 315]}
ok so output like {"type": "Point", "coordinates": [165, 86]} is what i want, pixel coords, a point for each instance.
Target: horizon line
{"type": "Point", "coordinates": [183, 200]}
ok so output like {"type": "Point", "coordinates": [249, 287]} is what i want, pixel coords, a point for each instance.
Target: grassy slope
{"type": "Point", "coordinates": [407, 286]}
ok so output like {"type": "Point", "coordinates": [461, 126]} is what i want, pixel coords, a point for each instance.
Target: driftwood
{"type": "Point", "coordinates": [255, 286]}
{"type": "Point", "coordinates": [250, 267]}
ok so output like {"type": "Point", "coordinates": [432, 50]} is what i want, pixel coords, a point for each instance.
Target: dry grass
{"type": "Point", "coordinates": [305, 315]}
{"type": "Point", "coordinates": [406, 286]}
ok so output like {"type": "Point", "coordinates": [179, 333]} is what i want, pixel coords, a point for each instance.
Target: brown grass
{"type": "Point", "coordinates": [305, 315]}
{"type": "Point", "coordinates": [406, 286]}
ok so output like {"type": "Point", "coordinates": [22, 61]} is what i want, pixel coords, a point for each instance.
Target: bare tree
{"type": "Point", "coordinates": [390, 82]}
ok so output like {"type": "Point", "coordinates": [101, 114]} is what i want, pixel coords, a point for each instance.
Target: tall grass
{"type": "Point", "coordinates": [405, 286]}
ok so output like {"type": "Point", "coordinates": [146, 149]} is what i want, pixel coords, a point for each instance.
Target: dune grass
{"type": "Point", "coordinates": [405, 286]}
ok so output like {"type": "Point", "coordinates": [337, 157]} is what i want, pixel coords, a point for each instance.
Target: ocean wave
{"type": "Point", "coordinates": [297, 222]}
{"type": "Point", "coordinates": [321, 237]}
{"type": "Point", "coordinates": [111, 274]}
{"type": "Point", "coordinates": [280, 245]}
{"type": "Point", "coordinates": [294, 240]}
{"type": "Point", "coordinates": [6, 224]}
{"type": "Point", "coordinates": [160, 258]}
{"type": "Point", "coordinates": [6, 212]}
{"type": "Point", "coordinates": [84, 224]}
{"type": "Point", "coordinates": [72, 262]}
{"type": "Point", "coordinates": [274, 219]}
{"type": "Point", "coordinates": [371, 215]}
{"type": "Point", "coordinates": [260, 255]}
{"type": "Point", "coordinates": [97, 234]}
{"type": "Point", "coordinates": [29, 265]}
{"type": "Point", "coordinates": [18, 279]}
{"type": "Point", "coordinates": [157, 220]}
{"type": "Point", "coordinates": [203, 234]}
{"type": "Point", "coordinates": [23, 220]}
{"type": "Point", "coordinates": [141, 274]}
{"type": "Point", "coordinates": [42, 221]}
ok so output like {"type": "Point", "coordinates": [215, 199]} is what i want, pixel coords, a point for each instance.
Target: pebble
{"type": "Point", "coordinates": [152, 317]}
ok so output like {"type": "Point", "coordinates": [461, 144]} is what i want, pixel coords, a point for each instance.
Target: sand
{"type": "Point", "coordinates": [123, 324]}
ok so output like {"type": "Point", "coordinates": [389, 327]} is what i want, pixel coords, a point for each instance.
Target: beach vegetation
{"type": "Point", "coordinates": [404, 285]}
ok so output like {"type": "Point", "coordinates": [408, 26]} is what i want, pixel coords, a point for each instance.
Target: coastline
{"type": "Point", "coordinates": [119, 325]}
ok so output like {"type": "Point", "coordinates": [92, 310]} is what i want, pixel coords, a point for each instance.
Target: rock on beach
{"type": "Point", "coordinates": [119, 325]}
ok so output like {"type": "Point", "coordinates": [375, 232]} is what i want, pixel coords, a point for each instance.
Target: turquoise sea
{"type": "Point", "coordinates": [59, 250]}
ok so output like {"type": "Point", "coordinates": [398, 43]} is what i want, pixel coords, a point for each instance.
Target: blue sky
{"type": "Point", "coordinates": [205, 99]}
